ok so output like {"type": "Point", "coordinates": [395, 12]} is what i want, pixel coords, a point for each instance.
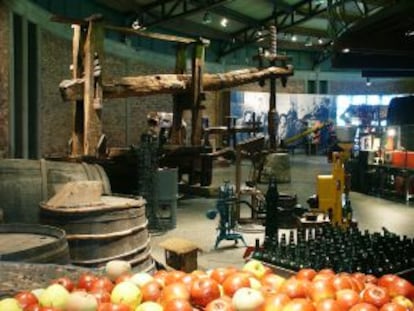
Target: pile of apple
{"type": "Point", "coordinates": [254, 287]}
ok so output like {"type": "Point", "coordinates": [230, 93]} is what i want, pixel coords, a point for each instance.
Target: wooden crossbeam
{"type": "Point", "coordinates": [171, 83]}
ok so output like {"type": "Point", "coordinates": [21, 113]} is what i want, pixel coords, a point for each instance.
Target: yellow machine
{"type": "Point", "coordinates": [331, 190]}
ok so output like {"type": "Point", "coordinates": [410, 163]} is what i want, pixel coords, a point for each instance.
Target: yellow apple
{"type": "Point", "coordinates": [126, 293]}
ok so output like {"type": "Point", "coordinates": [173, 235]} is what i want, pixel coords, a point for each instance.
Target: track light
{"type": "Point", "coordinates": [320, 41]}
{"type": "Point", "coordinates": [368, 82]}
{"type": "Point", "coordinates": [308, 42]}
{"type": "Point", "coordinates": [207, 18]}
{"type": "Point", "coordinates": [224, 22]}
{"type": "Point", "coordinates": [136, 24]}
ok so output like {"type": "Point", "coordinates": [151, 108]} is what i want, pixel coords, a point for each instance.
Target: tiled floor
{"type": "Point", "coordinates": [371, 213]}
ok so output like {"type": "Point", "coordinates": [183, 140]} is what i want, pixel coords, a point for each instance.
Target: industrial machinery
{"type": "Point", "coordinates": [226, 208]}
{"type": "Point", "coordinates": [332, 194]}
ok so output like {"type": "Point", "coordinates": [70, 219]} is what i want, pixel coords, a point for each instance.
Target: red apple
{"type": "Point", "coordinates": [387, 279]}
{"type": "Point", "coordinates": [275, 302]}
{"type": "Point", "coordinates": [86, 280]}
{"type": "Point", "coordinates": [25, 299]}
{"type": "Point", "coordinates": [272, 281]}
{"type": "Point", "coordinates": [364, 306]}
{"type": "Point", "coordinates": [392, 306]}
{"type": "Point", "coordinates": [321, 289]}
{"type": "Point", "coordinates": [108, 306]}
{"type": "Point", "coordinates": [101, 295]}
{"type": "Point", "coordinates": [220, 274]}
{"type": "Point", "coordinates": [151, 291]}
{"type": "Point", "coordinates": [175, 290]}
{"type": "Point", "coordinates": [347, 298]}
{"type": "Point", "coordinates": [400, 287]}
{"type": "Point", "coordinates": [329, 304]}
{"type": "Point", "coordinates": [375, 295]}
{"type": "Point", "coordinates": [235, 281]}
{"type": "Point", "coordinates": [299, 304]}
{"type": "Point", "coordinates": [173, 276]}
{"type": "Point", "coordinates": [203, 291]}
{"type": "Point", "coordinates": [306, 274]}
{"type": "Point", "coordinates": [102, 283]}
{"type": "Point", "coordinates": [294, 287]}
{"type": "Point", "coordinates": [342, 281]}
{"type": "Point", "coordinates": [220, 304]}
{"type": "Point", "coordinates": [178, 304]}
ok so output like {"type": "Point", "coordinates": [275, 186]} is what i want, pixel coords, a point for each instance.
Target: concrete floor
{"type": "Point", "coordinates": [370, 212]}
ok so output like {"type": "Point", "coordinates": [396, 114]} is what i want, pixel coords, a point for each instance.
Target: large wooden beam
{"type": "Point", "coordinates": [171, 83]}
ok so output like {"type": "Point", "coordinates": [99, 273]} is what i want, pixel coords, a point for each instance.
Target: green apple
{"type": "Point", "coordinates": [37, 292]}
{"type": "Point", "coordinates": [255, 267]}
{"type": "Point", "coordinates": [141, 278]}
{"type": "Point", "coordinates": [81, 301]}
{"type": "Point", "coordinates": [126, 293]}
{"type": "Point", "coordinates": [116, 268]}
{"type": "Point", "coordinates": [10, 304]}
{"type": "Point", "coordinates": [54, 295]}
{"type": "Point", "coordinates": [149, 306]}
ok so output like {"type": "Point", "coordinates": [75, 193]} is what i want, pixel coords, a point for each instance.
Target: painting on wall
{"type": "Point", "coordinates": [295, 112]}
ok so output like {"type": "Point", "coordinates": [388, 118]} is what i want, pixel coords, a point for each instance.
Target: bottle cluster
{"type": "Point", "coordinates": [341, 249]}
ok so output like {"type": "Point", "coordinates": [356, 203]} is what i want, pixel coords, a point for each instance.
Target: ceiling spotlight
{"type": "Point", "coordinates": [207, 18]}
{"type": "Point", "coordinates": [409, 33]}
{"type": "Point", "coordinates": [320, 41]}
{"type": "Point", "coordinates": [308, 42]}
{"type": "Point", "coordinates": [224, 22]}
{"type": "Point", "coordinates": [346, 50]}
{"type": "Point", "coordinates": [368, 82]}
{"type": "Point", "coordinates": [136, 24]}
{"type": "Point", "coordinates": [294, 38]}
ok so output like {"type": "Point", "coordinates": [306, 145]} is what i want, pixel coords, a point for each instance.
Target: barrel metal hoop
{"type": "Point", "coordinates": [108, 235]}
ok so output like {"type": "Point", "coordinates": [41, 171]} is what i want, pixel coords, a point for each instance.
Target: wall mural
{"type": "Point", "coordinates": [295, 112]}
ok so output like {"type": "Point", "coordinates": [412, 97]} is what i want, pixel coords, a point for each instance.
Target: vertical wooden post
{"type": "Point", "coordinates": [77, 106]}
{"type": "Point", "coordinates": [196, 92]}
{"type": "Point", "coordinates": [93, 49]}
{"type": "Point", "coordinates": [176, 135]}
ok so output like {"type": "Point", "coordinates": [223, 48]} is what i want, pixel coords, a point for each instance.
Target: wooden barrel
{"type": "Point", "coordinates": [33, 243]}
{"type": "Point", "coordinates": [115, 229]}
{"type": "Point", "coordinates": [25, 183]}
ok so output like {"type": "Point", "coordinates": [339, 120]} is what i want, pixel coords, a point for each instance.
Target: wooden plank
{"type": "Point", "coordinates": [92, 121]}
{"type": "Point", "coordinates": [15, 242]}
{"type": "Point", "coordinates": [171, 83]}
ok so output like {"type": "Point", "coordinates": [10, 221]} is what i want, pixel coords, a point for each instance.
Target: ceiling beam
{"type": "Point", "coordinates": [247, 35]}
{"type": "Point", "coordinates": [162, 11]}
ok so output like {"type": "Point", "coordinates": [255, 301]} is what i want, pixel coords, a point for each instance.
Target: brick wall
{"type": "Point", "coordinates": [123, 119]}
{"type": "Point", "coordinates": [4, 81]}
